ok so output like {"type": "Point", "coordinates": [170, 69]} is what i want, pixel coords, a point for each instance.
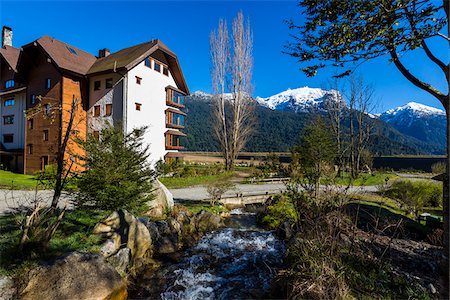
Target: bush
{"type": "Point", "coordinates": [217, 189]}
{"type": "Point", "coordinates": [276, 214]}
{"type": "Point", "coordinates": [438, 168]}
{"type": "Point", "coordinates": [117, 174]}
{"type": "Point", "coordinates": [415, 195]}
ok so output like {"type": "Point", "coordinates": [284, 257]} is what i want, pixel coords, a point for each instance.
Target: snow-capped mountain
{"type": "Point", "coordinates": [423, 122]}
{"type": "Point", "coordinates": [303, 99]}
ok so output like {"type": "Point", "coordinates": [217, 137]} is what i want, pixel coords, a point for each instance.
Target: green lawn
{"type": "Point", "coordinates": [74, 234]}
{"type": "Point", "coordinates": [366, 179]}
{"type": "Point", "coordinates": [196, 207]}
{"type": "Point", "coordinates": [9, 180]}
{"type": "Point", "coordinates": [181, 182]}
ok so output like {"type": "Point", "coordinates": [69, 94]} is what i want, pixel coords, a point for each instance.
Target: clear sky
{"type": "Point", "coordinates": [184, 26]}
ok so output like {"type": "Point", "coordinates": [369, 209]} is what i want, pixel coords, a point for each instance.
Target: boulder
{"type": "Point", "coordinates": [76, 276]}
{"type": "Point", "coordinates": [126, 230]}
{"type": "Point", "coordinates": [163, 201]}
{"type": "Point", "coordinates": [206, 221]}
{"type": "Point", "coordinates": [7, 288]}
{"type": "Point", "coordinates": [121, 260]}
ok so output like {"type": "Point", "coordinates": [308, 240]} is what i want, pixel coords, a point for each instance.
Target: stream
{"type": "Point", "coordinates": [237, 262]}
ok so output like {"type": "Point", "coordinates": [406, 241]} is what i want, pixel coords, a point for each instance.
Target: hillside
{"type": "Point", "coordinates": [422, 122]}
{"type": "Point", "coordinates": [279, 130]}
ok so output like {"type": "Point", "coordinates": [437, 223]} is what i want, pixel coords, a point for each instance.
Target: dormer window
{"type": "Point", "coordinates": [157, 67]}
{"type": "Point", "coordinates": [108, 83]}
{"type": "Point", "coordinates": [165, 70]}
{"type": "Point", "coordinates": [9, 84]}
{"type": "Point", "coordinates": [148, 62]}
{"type": "Point", "coordinates": [97, 85]}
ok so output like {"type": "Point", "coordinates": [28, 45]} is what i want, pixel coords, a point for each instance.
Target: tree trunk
{"type": "Point", "coordinates": [446, 184]}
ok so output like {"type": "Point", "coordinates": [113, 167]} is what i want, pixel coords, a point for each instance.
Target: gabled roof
{"type": "Point", "coordinates": [128, 58]}
{"type": "Point", "coordinates": [11, 56]}
{"type": "Point", "coordinates": [65, 56]}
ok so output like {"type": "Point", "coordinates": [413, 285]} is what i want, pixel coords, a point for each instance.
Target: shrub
{"type": "Point", "coordinates": [117, 174]}
{"type": "Point", "coordinates": [438, 168]}
{"type": "Point", "coordinates": [416, 195]}
{"type": "Point", "coordinates": [217, 189]}
{"type": "Point", "coordinates": [280, 211]}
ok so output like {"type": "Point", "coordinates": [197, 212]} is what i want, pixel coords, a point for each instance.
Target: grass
{"type": "Point", "coordinates": [181, 182]}
{"type": "Point", "coordinates": [74, 234]}
{"type": "Point", "coordinates": [10, 180]}
{"type": "Point", "coordinates": [377, 178]}
{"type": "Point", "coordinates": [196, 207]}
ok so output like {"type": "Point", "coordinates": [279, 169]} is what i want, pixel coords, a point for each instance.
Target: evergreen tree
{"type": "Point", "coordinates": [117, 173]}
{"type": "Point", "coordinates": [316, 153]}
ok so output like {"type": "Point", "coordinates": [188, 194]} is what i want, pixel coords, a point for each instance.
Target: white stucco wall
{"type": "Point", "coordinates": [105, 96]}
{"type": "Point", "coordinates": [18, 128]}
{"type": "Point", "coordinates": [151, 93]}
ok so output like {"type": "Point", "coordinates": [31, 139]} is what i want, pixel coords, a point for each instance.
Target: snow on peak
{"type": "Point", "coordinates": [416, 109]}
{"type": "Point", "coordinates": [200, 94]}
{"type": "Point", "coordinates": [300, 99]}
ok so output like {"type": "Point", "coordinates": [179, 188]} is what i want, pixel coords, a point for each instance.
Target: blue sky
{"type": "Point", "coordinates": [184, 26]}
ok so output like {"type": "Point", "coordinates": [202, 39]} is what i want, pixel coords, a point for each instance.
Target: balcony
{"type": "Point", "coordinates": [174, 97]}
{"type": "Point", "coordinates": [175, 118]}
{"type": "Point", "coordinates": [173, 140]}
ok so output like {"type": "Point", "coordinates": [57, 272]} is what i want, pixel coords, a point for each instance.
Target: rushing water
{"type": "Point", "coordinates": [232, 263]}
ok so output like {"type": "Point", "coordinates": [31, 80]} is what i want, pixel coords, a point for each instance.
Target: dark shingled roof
{"type": "Point", "coordinates": [66, 56]}
{"type": "Point", "coordinates": [122, 59]}
{"type": "Point", "coordinates": [11, 56]}
{"type": "Point", "coordinates": [128, 58]}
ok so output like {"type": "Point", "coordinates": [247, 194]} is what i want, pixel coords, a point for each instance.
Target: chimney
{"type": "Point", "coordinates": [6, 36]}
{"type": "Point", "coordinates": [103, 52]}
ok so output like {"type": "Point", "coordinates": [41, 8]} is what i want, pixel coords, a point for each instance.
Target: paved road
{"type": "Point", "coordinates": [11, 201]}
{"type": "Point", "coordinates": [18, 199]}
{"type": "Point", "coordinates": [200, 193]}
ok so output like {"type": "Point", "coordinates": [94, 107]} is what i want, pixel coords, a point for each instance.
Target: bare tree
{"type": "Point", "coordinates": [220, 58]}
{"type": "Point", "coordinates": [40, 223]}
{"type": "Point", "coordinates": [336, 112]}
{"type": "Point", "coordinates": [361, 102]}
{"type": "Point", "coordinates": [234, 114]}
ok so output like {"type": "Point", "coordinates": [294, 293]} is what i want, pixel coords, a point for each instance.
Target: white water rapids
{"type": "Point", "coordinates": [232, 263]}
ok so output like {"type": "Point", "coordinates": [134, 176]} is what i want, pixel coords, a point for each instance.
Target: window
{"type": "Point", "coordinates": [30, 123]}
{"type": "Point", "coordinates": [97, 85]}
{"type": "Point", "coordinates": [8, 138]}
{"type": "Point", "coordinates": [157, 67]}
{"type": "Point", "coordinates": [8, 120]}
{"type": "Point", "coordinates": [47, 109]}
{"type": "Point", "coordinates": [138, 106]}
{"type": "Point", "coordinates": [108, 83]}
{"type": "Point", "coordinates": [45, 136]}
{"type": "Point", "coordinates": [96, 135]}
{"type": "Point", "coordinates": [173, 141]}
{"type": "Point", "coordinates": [174, 98]}
{"type": "Point", "coordinates": [9, 102]}
{"type": "Point", "coordinates": [72, 51]}
{"type": "Point", "coordinates": [30, 149]}
{"type": "Point", "coordinates": [108, 109]}
{"type": "Point", "coordinates": [138, 80]}
{"type": "Point", "coordinates": [33, 99]}
{"type": "Point", "coordinates": [97, 111]}
{"type": "Point", "coordinates": [165, 70]}
{"type": "Point", "coordinates": [48, 83]}
{"type": "Point", "coordinates": [44, 162]}
{"type": "Point", "coordinates": [174, 120]}
{"type": "Point", "coordinates": [9, 84]}
{"type": "Point", "coordinates": [148, 62]}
